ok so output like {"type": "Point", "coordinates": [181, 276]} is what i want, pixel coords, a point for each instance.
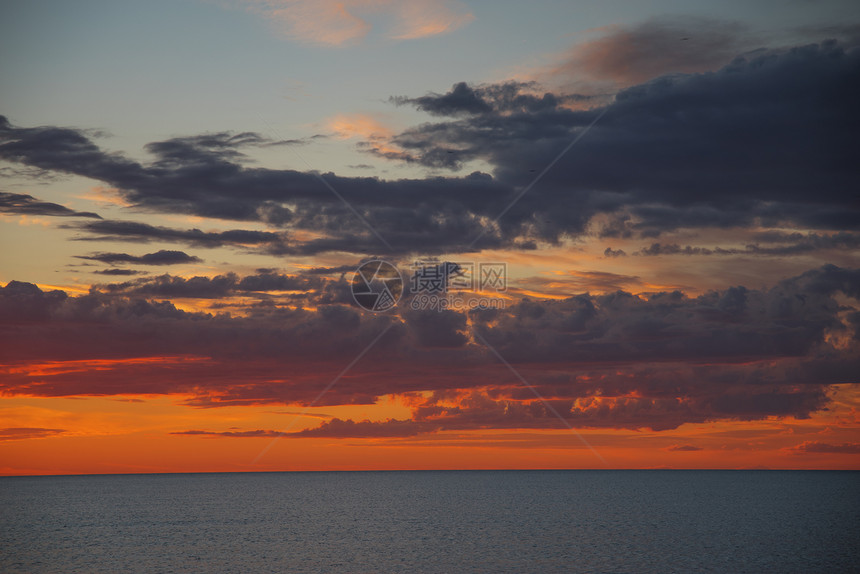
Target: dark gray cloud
{"type": "Point", "coordinates": [767, 141]}
{"type": "Point", "coordinates": [217, 287]}
{"type": "Point", "coordinates": [116, 271]}
{"type": "Point", "coordinates": [162, 257]}
{"type": "Point", "coordinates": [434, 328]}
{"type": "Point", "coordinates": [117, 230]}
{"type": "Point", "coordinates": [791, 244]}
{"type": "Point", "coordinates": [463, 99]}
{"type": "Point", "coordinates": [22, 204]}
{"type": "Point", "coordinates": [30, 174]}
{"type": "Point", "coordinates": [764, 141]}
{"type": "Point", "coordinates": [674, 249]}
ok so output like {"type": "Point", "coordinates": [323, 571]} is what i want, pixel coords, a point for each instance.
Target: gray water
{"type": "Point", "coordinates": [460, 521]}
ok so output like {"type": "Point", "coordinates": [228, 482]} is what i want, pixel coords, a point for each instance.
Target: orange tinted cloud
{"type": "Point", "coordinates": [376, 136]}
{"type": "Point", "coordinates": [620, 56]}
{"type": "Point", "coordinates": [358, 125]}
{"type": "Point", "coordinates": [429, 18]}
{"type": "Point", "coordinates": [334, 23]}
{"type": "Point", "coordinates": [827, 448]}
{"type": "Point", "coordinates": [51, 368]}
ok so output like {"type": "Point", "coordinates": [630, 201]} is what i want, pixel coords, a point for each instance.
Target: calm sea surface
{"type": "Point", "coordinates": [466, 521]}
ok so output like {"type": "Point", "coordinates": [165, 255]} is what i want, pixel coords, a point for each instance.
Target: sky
{"type": "Point", "coordinates": [641, 218]}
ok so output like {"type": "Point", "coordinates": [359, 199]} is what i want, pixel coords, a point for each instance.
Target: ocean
{"type": "Point", "coordinates": [602, 521]}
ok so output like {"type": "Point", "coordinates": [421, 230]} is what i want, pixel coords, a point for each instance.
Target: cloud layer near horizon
{"type": "Point", "coordinates": [615, 360]}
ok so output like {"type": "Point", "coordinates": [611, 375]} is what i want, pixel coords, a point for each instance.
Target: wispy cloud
{"type": "Point", "coordinates": [21, 433]}
{"type": "Point", "coordinates": [339, 22]}
{"type": "Point", "coordinates": [23, 204]}
{"type": "Point", "coordinates": [826, 448]}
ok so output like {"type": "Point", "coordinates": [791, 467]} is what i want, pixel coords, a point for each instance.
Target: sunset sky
{"type": "Point", "coordinates": [188, 187]}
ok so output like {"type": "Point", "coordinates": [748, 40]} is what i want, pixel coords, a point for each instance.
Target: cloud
{"type": "Point", "coordinates": [698, 150]}
{"type": "Point", "coordinates": [119, 272]}
{"type": "Point", "coordinates": [627, 55]}
{"type": "Point", "coordinates": [217, 287]}
{"type": "Point", "coordinates": [22, 433]}
{"type": "Point", "coordinates": [507, 97]}
{"type": "Point", "coordinates": [338, 428]}
{"type": "Point", "coordinates": [579, 281]}
{"type": "Point", "coordinates": [334, 428]}
{"type": "Point", "coordinates": [339, 22]}
{"type": "Point", "coordinates": [433, 328]}
{"type": "Point", "coordinates": [361, 125]}
{"type": "Point", "coordinates": [162, 257]}
{"type": "Point", "coordinates": [823, 447]}
{"type": "Point", "coordinates": [232, 434]}
{"type": "Point", "coordinates": [683, 448]}
{"type": "Point", "coordinates": [425, 18]}
{"type": "Point", "coordinates": [705, 150]}
{"type": "Point", "coordinates": [615, 360]}
{"type": "Point", "coordinates": [22, 204]}
{"type": "Point", "coordinates": [462, 99]}
{"type": "Point", "coordinates": [117, 230]}
{"type": "Point", "coordinates": [793, 244]}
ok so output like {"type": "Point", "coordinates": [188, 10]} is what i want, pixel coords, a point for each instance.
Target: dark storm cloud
{"type": "Point", "coordinates": [616, 360]}
{"type": "Point", "coordinates": [22, 204]}
{"type": "Point", "coordinates": [764, 141]}
{"type": "Point", "coordinates": [162, 257]}
{"type": "Point", "coordinates": [767, 141]}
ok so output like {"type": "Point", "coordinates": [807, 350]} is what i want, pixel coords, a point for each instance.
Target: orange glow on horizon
{"type": "Point", "coordinates": [136, 434]}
